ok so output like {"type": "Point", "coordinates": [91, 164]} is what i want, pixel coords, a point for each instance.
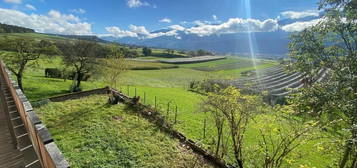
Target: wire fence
{"type": "Point", "coordinates": [166, 107]}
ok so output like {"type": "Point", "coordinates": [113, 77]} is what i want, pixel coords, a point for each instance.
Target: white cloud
{"type": "Point", "coordinates": [139, 30]}
{"type": "Point", "coordinates": [177, 27]}
{"type": "Point", "coordinates": [234, 25]}
{"type": "Point", "coordinates": [299, 26]}
{"type": "Point", "coordinates": [13, 1]}
{"type": "Point", "coordinates": [28, 6]}
{"type": "Point", "coordinates": [298, 15]}
{"type": "Point", "coordinates": [117, 32]}
{"type": "Point", "coordinates": [136, 3]}
{"type": "Point", "coordinates": [53, 22]}
{"type": "Point", "coordinates": [165, 20]}
{"type": "Point", "coordinates": [79, 11]}
{"type": "Point", "coordinates": [214, 17]}
{"type": "Point", "coordinates": [200, 23]}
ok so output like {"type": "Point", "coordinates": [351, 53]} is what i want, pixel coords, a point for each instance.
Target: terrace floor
{"type": "Point", "coordinates": [10, 156]}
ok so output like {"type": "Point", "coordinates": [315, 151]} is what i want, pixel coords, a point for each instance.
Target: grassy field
{"type": "Point", "coordinates": [91, 133]}
{"type": "Point", "coordinates": [167, 85]}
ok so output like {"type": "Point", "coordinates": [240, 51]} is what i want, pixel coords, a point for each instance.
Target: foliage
{"type": "Point", "coordinates": [199, 52]}
{"type": "Point", "coordinates": [25, 51]}
{"type": "Point", "coordinates": [280, 134]}
{"type": "Point", "coordinates": [81, 56]}
{"type": "Point", "coordinates": [114, 66]}
{"type": "Point", "coordinates": [5, 28]}
{"type": "Point", "coordinates": [237, 110]}
{"type": "Point", "coordinates": [147, 51]}
{"type": "Point", "coordinates": [207, 85]}
{"type": "Point", "coordinates": [331, 44]}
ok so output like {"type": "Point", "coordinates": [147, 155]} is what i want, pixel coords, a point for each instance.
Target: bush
{"type": "Point", "coordinates": [207, 85]}
{"type": "Point", "coordinates": [64, 74]}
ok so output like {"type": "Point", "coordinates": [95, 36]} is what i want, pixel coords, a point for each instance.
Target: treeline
{"type": "Point", "coordinates": [199, 52]}
{"type": "Point", "coordinates": [83, 37]}
{"type": "Point", "coordinates": [5, 28]}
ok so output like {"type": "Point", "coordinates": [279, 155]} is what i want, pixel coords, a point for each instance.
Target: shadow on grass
{"type": "Point", "coordinates": [77, 119]}
{"type": "Point", "coordinates": [35, 94]}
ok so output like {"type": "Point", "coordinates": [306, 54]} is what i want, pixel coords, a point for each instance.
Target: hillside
{"type": "Point", "coordinates": [5, 28]}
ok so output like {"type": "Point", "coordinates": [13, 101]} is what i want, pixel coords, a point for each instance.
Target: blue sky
{"type": "Point", "coordinates": [126, 17]}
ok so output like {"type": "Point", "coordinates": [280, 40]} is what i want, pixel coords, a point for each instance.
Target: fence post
{"type": "Point", "coordinates": [144, 98]}
{"type": "Point", "coordinates": [176, 114]}
{"type": "Point", "coordinates": [155, 103]}
{"type": "Point", "coordinates": [204, 128]}
{"type": "Point", "coordinates": [168, 111]}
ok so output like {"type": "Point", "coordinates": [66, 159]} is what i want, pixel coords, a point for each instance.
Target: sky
{"type": "Point", "coordinates": [139, 18]}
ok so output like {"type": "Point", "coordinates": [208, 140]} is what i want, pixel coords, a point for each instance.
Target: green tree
{"type": "Point", "coordinates": [331, 45]}
{"type": "Point", "coordinates": [25, 52]}
{"type": "Point", "coordinates": [280, 133]}
{"type": "Point", "coordinates": [238, 110]}
{"type": "Point", "coordinates": [147, 51]}
{"type": "Point", "coordinates": [114, 65]}
{"type": "Point", "coordinates": [82, 57]}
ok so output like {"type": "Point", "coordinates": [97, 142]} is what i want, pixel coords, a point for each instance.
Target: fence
{"type": "Point", "coordinates": [41, 141]}
{"type": "Point", "coordinates": [162, 122]}
{"type": "Point", "coordinates": [168, 108]}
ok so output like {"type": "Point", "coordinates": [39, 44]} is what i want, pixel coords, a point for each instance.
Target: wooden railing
{"type": "Point", "coordinates": [46, 150]}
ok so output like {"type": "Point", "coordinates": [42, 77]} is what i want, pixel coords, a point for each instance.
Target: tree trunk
{"type": "Point", "coordinates": [346, 155]}
{"type": "Point", "coordinates": [236, 151]}
{"type": "Point", "coordinates": [19, 81]}
{"type": "Point", "coordinates": [219, 139]}
{"type": "Point", "coordinates": [79, 79]}
{"type": "Point", "coordinates": [354, 162]}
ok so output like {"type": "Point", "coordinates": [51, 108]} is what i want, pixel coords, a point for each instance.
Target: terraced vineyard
{"type": "Point", "coordinates": [276, 80]}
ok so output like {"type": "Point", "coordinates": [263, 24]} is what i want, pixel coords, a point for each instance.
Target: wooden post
{"type": "Point", "coordinates": [155, 103]}
{"type": "Point", "coordinates": [168, 111]}
{"type": "Point", "coordinates": [135, 92]}
{"type": "Point", "coordinates": [204, 128]}
{"type": "Point", "coordinates": [144, 98]}
{"type": "Point", "coordinates": [176, 114]}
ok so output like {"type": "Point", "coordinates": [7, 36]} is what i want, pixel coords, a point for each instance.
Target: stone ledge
{"type": "Point", "coordinates": [56, 155]}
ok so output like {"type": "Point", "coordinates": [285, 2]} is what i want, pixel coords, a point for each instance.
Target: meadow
{"type": "Point", "coordinates": [92, 133]}
{"type": "Point", "coordinates": [165, 85]}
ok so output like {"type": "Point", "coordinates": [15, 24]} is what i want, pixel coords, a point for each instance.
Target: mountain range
{"type": "Point", "coordinates": [267, 44]}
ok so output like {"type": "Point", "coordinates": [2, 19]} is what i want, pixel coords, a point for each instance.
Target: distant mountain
{"type": "Point", "coordinates": [264, 43]}
{"type": "Point", "coordinates": [270, 43]}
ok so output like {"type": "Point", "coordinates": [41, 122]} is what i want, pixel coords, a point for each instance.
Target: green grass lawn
{"type": "Point", "coordinates": [91, 133]}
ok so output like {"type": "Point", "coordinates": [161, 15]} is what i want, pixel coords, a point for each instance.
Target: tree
{"type": "Point", "coordinates": [26, 52]}
{"type": "Point", "coordinates": [238, 110]}
{"type": "Point", "coordinates": [114, 65]}
{"type": "Point", "coordinates": [191, 53]}
{"type": "Point", "coordinates": [280, 133]}
{"type": "Point", "coordinates": [170, 52]}
{"type": "Point", "coordinates": [146, 51]}
{"type": "Point", "coordinates": [80, 55]}
{"type": "Point", "coordinates": [331, 45]}
{"type": "Point", "coordinates": [201, 52]}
